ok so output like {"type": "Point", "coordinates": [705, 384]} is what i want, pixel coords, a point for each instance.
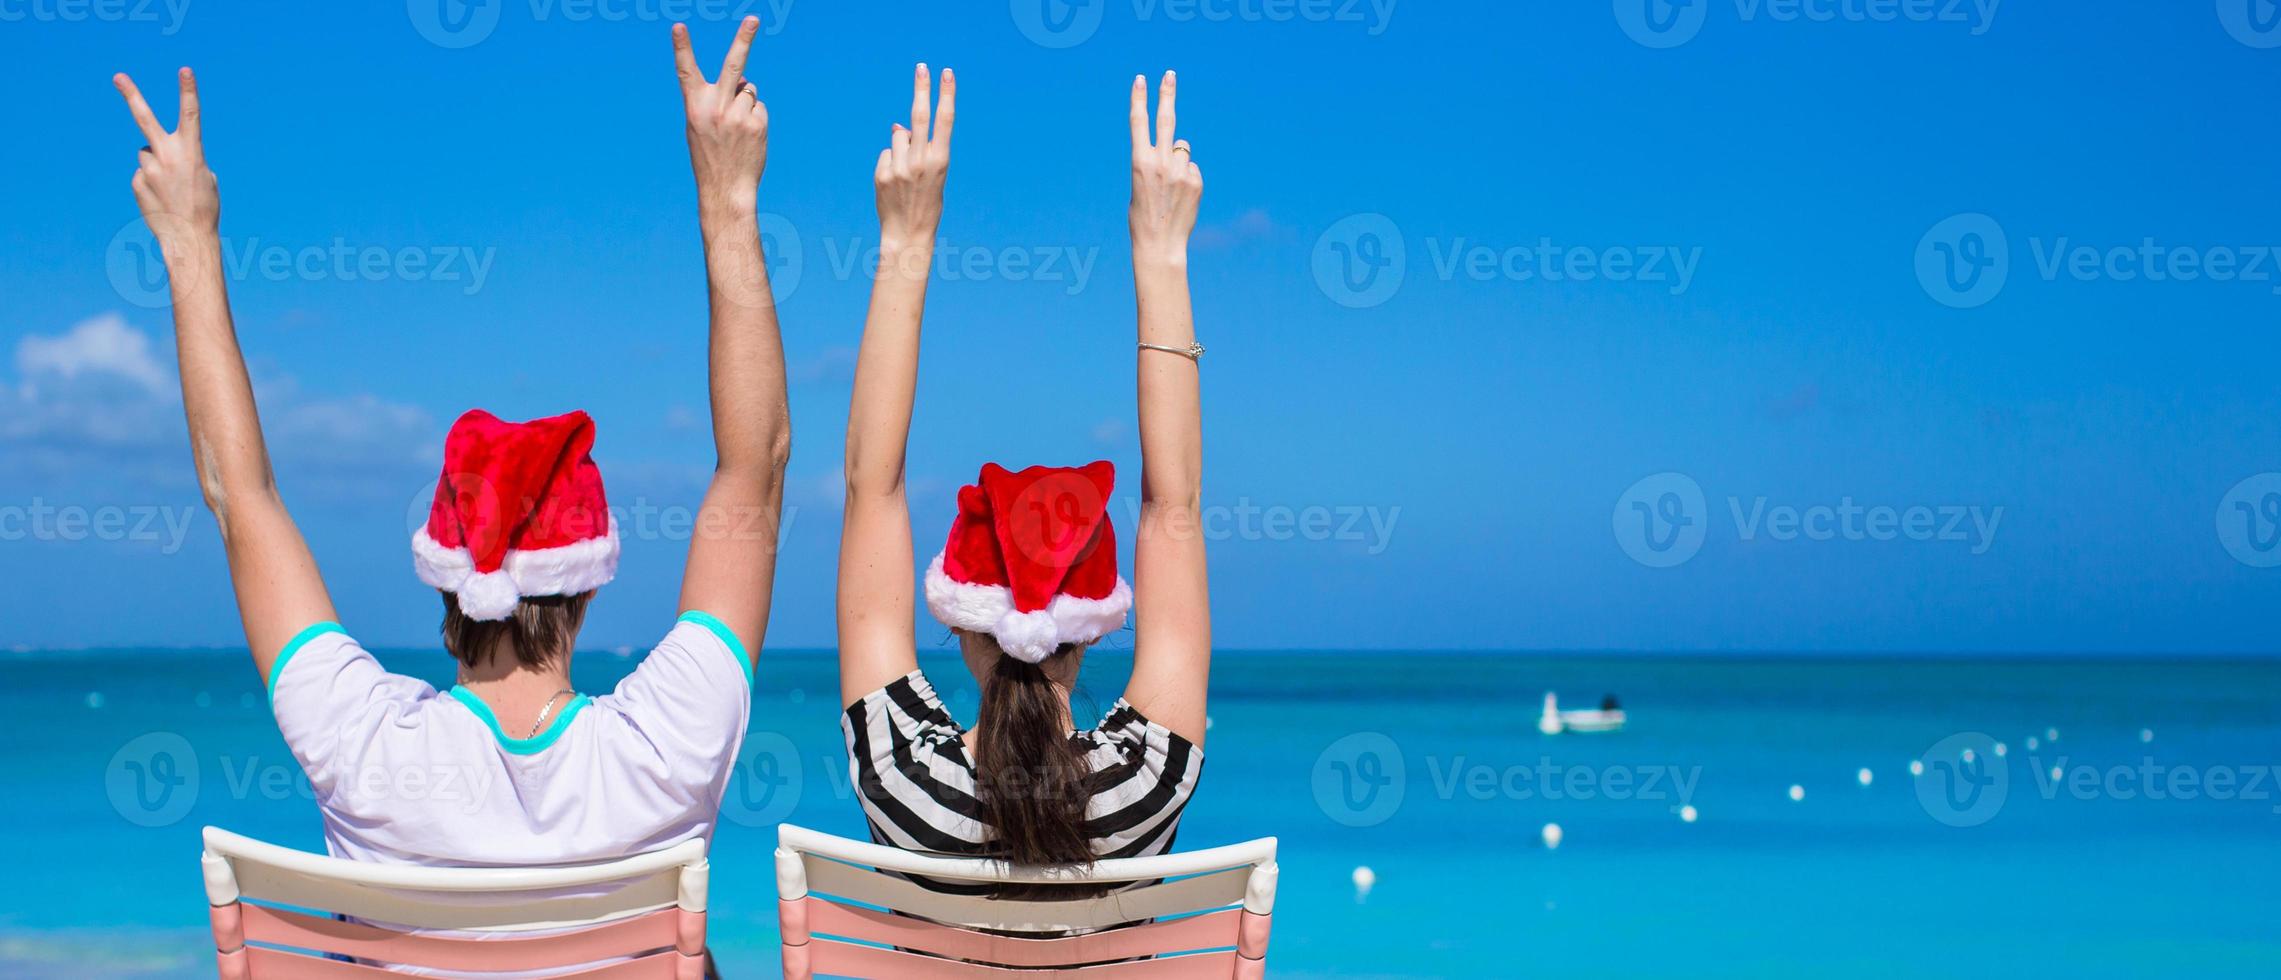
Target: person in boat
{"type": "Point", "coordinates": [1608, 703]}
{"type": "Point", "coordinates": [513, 765]}
{"type": "Point", "coordinates": [1027, 580]}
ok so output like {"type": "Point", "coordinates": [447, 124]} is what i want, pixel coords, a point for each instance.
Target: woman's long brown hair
{"type": "Point", "coordinates": [1030, 775]}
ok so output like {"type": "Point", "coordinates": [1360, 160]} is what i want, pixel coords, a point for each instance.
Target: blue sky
{"type": "Point", "coordinates": [1473, 277]}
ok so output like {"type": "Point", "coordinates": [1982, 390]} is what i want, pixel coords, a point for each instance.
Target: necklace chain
{"type": "Point", "coordinates": [549, 708]}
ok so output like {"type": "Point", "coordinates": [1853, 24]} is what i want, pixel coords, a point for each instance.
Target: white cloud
{"type": "Point", "coordinates": [102, 345]}
{"type": "Point", "coordinates": [96, 403]}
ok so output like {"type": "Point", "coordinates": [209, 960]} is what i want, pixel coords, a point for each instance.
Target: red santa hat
{"type": "Point", "coordinates": [518, 512]}
{"type": "Point", "coordinates": [1032, 560]}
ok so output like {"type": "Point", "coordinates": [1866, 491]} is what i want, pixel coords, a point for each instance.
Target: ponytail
{"type": "Point", "coordinates": [1030, 776]}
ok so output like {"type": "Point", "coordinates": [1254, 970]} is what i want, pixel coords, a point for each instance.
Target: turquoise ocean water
{"type": "Point", "coordinates": [2156, 853]}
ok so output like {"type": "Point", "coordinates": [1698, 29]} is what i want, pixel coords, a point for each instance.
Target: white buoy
{"type": "Point", "coordinates": [1968, 755]}
{"type": "Point", "coordinates": [1364, 878]}
{"type": "Point", "coordinates": [2051, 734]}
{"type": "Point", "coordinates": [2055, 774]}
{"type": "Point", "coordinates": [2031, 743]}
{"type": "Point", "coordinates": [2001, 750]}
{"type": "Point", "coordinates": [1687, 814]}
{"type": "Point", "coordinates": [1865, 776]}
{"type": "Point", "coordinates": [1916, 767]}
{"type": "Point", "coordinates": [1552, 836]}
{"type": "Point", "coordinates": [1797, 792]}
{"type": "Point", "coordinates": [2145, 735]}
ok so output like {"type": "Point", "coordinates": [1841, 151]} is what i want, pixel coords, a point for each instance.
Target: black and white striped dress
{"type": "Point", "coordinates": [917, 784]}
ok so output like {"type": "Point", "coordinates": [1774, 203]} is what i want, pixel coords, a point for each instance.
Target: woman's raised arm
{"type": "Point", "coordinates": [876, 591]}
{"type": "Point", "coordinates": [279, 591]}
{"type": "Point", "coordinates": [1172, 614]}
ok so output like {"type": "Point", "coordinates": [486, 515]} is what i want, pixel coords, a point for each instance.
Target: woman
{"type": "Point", "coordinates": [1028, 579]}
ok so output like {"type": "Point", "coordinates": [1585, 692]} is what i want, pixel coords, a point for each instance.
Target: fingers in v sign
{"type": "Point", "coordinates": [728, 123]}
{"type": "Point", "coordinates": [911, 171]}
{"type": "Point", "coordinates": [173, 187]}
{"type": "Point", "coordinates": [1167, 184]}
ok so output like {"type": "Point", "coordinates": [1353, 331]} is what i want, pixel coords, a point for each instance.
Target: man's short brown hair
{"type": "Point", "coordinates": [539, 626]}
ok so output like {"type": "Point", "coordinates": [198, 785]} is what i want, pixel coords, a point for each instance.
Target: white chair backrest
{"type": "Point", "coordinates": [1232, 886]}
{"type": "Point", "coordinates": [609, 909]}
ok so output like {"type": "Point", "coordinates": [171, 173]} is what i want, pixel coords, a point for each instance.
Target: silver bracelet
{"type": "Point", "coordinates": [1193, 352]}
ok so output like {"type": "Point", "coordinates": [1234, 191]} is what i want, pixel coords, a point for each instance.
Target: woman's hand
{"type": "Point", "coordinates": [728, 125]}
{"type": "Point", "coordinates": [1166, 182]}
{"type": "Point", "coordinates": [909, 179]}
{"type": "Point", "coordinates": [176, 192]}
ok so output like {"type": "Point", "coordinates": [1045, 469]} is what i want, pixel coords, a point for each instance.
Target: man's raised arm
{"type": "Point", "coordinates": [279, 591]}
{"type": "Point", "coordinates": [732, 554]}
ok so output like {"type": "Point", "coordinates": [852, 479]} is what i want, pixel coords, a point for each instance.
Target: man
{"type": "Point", "coordinates": [512, 765]}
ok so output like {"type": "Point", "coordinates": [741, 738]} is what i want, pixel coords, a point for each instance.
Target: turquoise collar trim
{"type": "Point", "coordinates": [520, 746]}
{"type": "Point", "coordinates": [729, 639]}
{"type": "Point", "coordinates": [294, 645]}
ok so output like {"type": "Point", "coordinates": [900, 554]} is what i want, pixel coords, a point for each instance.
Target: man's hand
{"type": "Point", "coordinates": [176, 192]}
{"type": "Point", "coordinates": [1166, 183]}
{"type": "Point", "coordinates": [911, 171]}
{"type": "Point", "coordinates": [728, 124]}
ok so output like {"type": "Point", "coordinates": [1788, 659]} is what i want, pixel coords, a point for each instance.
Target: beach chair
{"type": "Point", "coordinates": [1205, 914]}
{"type": "Point", "coordinates": [642, 917]}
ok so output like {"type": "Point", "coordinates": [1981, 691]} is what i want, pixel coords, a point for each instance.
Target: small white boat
{"type": "Point", "coordinates": [1555, 721]}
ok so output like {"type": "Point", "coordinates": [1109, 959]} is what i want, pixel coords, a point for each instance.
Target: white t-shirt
{"type": "Point", "coordinates": [406, 775]}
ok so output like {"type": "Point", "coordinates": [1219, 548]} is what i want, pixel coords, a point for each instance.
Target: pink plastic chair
{"type": "Point", "coordinates": [1211, 915]}
{"type": "Point", "coordinates": [639, 918]}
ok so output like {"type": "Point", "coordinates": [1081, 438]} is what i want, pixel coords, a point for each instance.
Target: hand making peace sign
{"type": "Point", "coordinates": [728, 124]}
{"type": "Point", "coordinates": [176, 192]}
